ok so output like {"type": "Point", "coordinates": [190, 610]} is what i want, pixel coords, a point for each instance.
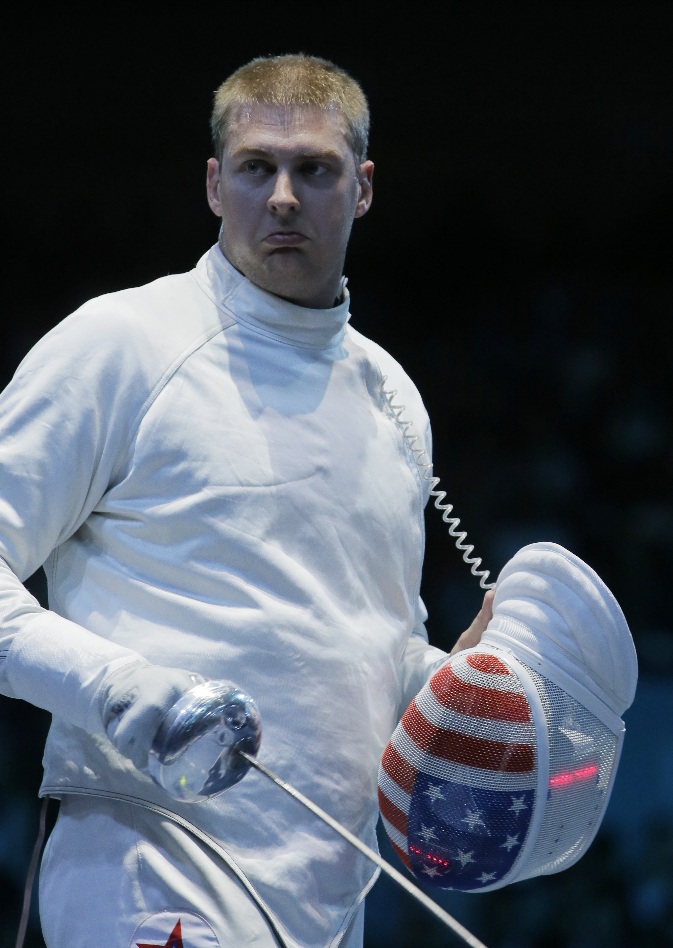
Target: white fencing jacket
{"type": "Point", "coordinates": [213, 478]}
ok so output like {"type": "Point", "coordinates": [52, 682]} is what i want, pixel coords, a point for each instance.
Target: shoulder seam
{"type": "Point", "coordinates": [161, 383]}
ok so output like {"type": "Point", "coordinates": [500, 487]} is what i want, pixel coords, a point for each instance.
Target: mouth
{"type": "Point", "coordinates": [285, 240]}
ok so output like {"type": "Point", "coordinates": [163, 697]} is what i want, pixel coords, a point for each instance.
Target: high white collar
{"type": "Point", "coordinates": [255, 307]}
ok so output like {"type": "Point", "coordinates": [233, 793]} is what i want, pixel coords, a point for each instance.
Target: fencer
{"type": "Point", "coordinates": [210, 472]}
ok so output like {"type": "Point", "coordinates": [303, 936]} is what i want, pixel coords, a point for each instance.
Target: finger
{"type": "Point", "coordinates": [472, 635]}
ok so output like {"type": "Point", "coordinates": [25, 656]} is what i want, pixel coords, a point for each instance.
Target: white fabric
{"type": "Point", "coordinates": [60, 667]}
{"type": "Point", "coordinates": [135, 857]}
{"type": "Point", "coordinates": [571, 623]}
{"type": "Point", "coordinates": [86, 679]}
{"type": "Point", "coordinates": [216, 483]}
{"type": "Point", "coordinates": [121, 883]}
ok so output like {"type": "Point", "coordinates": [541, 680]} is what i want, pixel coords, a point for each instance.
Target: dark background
{"type": "Point", "coordinates": [517, 261]}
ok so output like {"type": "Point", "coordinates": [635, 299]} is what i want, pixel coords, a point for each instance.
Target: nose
{"type": "Point", "coordinates": [283, 198]}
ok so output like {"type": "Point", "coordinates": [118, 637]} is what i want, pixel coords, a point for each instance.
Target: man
{"type": "Point", "coordinates": [210, 470]}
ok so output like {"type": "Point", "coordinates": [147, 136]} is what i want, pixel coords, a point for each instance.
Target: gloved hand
{"type": "Point", "coordinates": [88, 681]}
{"type": "Point", "coordinates": [133, 701]}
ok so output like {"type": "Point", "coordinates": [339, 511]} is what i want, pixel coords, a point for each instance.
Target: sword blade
{"type": "Point", "coordinates": [409, 887]}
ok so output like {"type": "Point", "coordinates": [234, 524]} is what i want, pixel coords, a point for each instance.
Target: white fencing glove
{"type": "Point", "coordinates": [104, 688]}
{"type": "Point", "coordinates": [133, 701]}
{"type": "Point", "coordinates": [180, 728]}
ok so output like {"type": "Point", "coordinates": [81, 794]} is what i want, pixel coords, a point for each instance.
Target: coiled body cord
{"type": "Point", "coordinates": [425, 469]}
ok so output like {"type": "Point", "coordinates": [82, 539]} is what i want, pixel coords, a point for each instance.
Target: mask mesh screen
{"type": "Point", "coordinates": [582, 757]}
{"type": "Point", "coordinates": [459, 780]}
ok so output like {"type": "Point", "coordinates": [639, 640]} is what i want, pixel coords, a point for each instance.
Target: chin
{"type": "Point", "coordinates": [291, 286]}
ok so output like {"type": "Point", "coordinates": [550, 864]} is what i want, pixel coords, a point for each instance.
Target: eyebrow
{"type": "Point", "coordinates": [256, 152]}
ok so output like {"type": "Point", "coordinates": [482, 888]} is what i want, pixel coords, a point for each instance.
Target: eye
{"type": "Point", "coordinates": [255, 166]}
{"type": "Point", "coordinates": [314, 168]}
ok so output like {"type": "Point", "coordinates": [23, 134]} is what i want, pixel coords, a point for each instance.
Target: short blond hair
{"type": "Point", "coordinates": [293, 79]}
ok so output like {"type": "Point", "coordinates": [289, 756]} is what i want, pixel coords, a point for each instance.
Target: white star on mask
{"type": "Point", "coordinates": [434, 792]}
{"type": "Point", "coordinates": [427, 833]}
{"type": "Point", "coordinates": [474, 819]}
{"type": "Point", "coordinates": [464, 858]}
{"type": "Point", "coordinates": [518, 805]}
{"type": "Point", "coordinates": [510, 842]}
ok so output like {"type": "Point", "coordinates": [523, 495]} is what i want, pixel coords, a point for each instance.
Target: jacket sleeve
{"type": "Point", "coordinates": [65, 420]}
{"type": "Point", "coordinates": [421, 660]}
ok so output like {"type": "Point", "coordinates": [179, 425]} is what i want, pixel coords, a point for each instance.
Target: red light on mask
{"type": "Point", "coordinates": [429, 857]}
{"type": "Point", "coordinates": [569, 777]}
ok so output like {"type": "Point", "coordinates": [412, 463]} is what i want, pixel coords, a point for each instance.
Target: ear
{"type": "Point", "coordinates": [365, 176]}
{"type": "Point", "coordinates": [213, 186]}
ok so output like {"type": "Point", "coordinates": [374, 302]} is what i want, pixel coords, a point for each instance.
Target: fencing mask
{"type": "Point", "coordinates": [502, 766]}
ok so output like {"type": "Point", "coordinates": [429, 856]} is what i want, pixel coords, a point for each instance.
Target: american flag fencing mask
{"type": "Point", "coordinates": [502, 766]}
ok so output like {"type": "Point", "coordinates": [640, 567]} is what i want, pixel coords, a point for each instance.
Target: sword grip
{"type": "Point", "coordinates": [194, 754]}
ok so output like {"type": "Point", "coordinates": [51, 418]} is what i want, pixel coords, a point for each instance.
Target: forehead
{"type": "Point", "coordinates": [305, 129]}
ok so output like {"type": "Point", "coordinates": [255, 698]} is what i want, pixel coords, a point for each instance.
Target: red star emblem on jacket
{"type": "Point", "coordinates": [174, 939]}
